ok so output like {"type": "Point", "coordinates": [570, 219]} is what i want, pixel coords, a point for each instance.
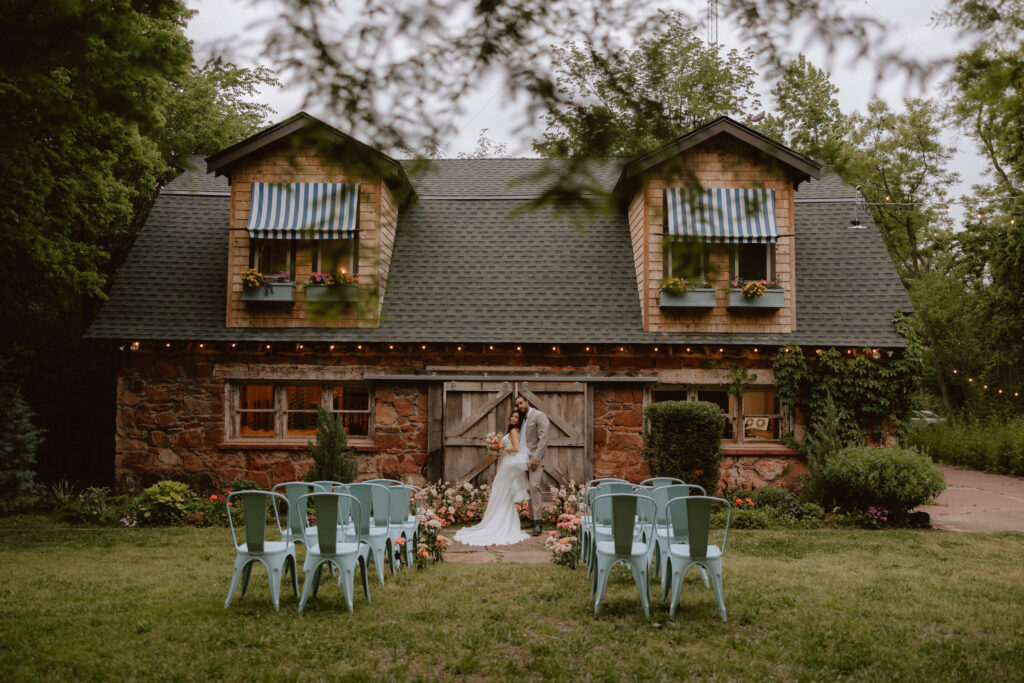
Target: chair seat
{"type": "Point", "coordinates": [608, 548]}
{"type": "Point", "coordinates": [340, 549]}
{"type": "Point", "coordinates": [683, 550]}
{"type": "Point", "coordinates": [269, 547]}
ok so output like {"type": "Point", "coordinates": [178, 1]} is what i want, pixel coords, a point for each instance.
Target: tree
{"type": "Point", "coordinates": [807, 116]}
{"type": "Point", "coordinates": [98, 103]}
{"type": "Point", "coordinates": [486, 148]}
{"type": "Point", "coordinates": [903, 169]}
{"type": "Point", "coordinates": [333, 460]}
{"type": "Point", "coordinates": [632, 102]}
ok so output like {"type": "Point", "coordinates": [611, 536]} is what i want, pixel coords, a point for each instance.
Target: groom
{"type": "Point", "coordinates": [535, 432]}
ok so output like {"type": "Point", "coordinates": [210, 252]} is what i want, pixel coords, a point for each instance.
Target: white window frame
{"type": "Point", "coordinates": [289, 255]}
{"type": "Point", "coordinates": [734, 261]}
{"type": "Point", "coordinates": [318, 256]}
{"type": "Point", "coordinates": [669, 241]}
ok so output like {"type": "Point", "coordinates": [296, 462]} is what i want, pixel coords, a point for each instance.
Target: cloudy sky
{"type": "Point", "coordinates": [233, 28]}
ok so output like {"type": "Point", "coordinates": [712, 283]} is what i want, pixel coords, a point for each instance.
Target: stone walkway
{"type": "Point", "coordinates": [978, 501]}
{"type": "Point", "coordinates": [531, 551]}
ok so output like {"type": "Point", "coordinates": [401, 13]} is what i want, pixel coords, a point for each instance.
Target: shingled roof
{"type": "Point", "coordinates": [473, 263]}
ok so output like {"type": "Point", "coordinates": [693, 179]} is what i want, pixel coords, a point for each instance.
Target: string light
{"type": "Point", "coordinates": [459, 348]}
{"type": "Point", "coordinates": [423, 347]}
{"type": "Point", "coordinates": [233, 344]}
{"type": "Point", "coordinates": [360, 347]}
{"type": "Point", "coordinates": [391, 347]}
{"type": "Point", "coordinates": [332, 347]}
{"type": "Point", "coordinates": [135, 346]}
{"type": "Point", "coordinates": [518, 348]}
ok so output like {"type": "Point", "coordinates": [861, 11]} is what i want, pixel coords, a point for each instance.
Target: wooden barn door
{"type": "Point", "coordinates": [473, 409]}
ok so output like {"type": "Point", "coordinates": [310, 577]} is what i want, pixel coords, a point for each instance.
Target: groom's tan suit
{"type": "Point", "coordinates": [535, 431]}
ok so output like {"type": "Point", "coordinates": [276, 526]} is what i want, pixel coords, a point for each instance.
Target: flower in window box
{"type": "Point", "coordinates": [679, 285]}
{"type": "Point", "coordinates": [754, 288]}
{"type": "Point", "coordinates": [252, 278]}
{"type": "Point", "coordinates": [344, 278]}
{"type": "Point", "coordinates": [319, 279]}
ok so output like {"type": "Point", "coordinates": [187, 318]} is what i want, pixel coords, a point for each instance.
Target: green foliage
{"type": "Point", "coordinates": [333, 461]}
{"type": "Point", "coordinates": [19, 441]}
{"type": "Point", "coordinates": [684, 439]}
{"type": "Point", "coordinates": [809, 118]}
{"type": "Point", "coordinates": [896, 479]}
{"type": "Point", "coordinates": [993, 445]}
{"type": "Point", "coordinates": [671, 82]}
{"type": "Point", "coordinates": [166, 502]}
{"type": "Point", "coordinates": [868, 393]}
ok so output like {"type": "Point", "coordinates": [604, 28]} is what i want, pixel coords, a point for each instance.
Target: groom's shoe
{"type": "Point", "coordinates": [536, 529]}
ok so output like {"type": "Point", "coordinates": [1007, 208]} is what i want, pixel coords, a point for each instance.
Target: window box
{"type": "Point", "coordinates": [348, 293]}
{"type": "Point", "coordinates": [700, 298]}
{"type": "Point", "coordinates": [771, 300]}
{"type": "Point", "coordinates": [277, 292]}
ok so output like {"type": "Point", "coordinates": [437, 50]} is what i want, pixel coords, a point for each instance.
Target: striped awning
{"type": "Point", "coordinates": [304, 210]}
{"type": "Point", "coordinates": [721, 214]}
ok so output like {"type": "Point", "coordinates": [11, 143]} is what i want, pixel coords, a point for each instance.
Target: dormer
{"type": "Point", "coordinates": [715, 205]}
{"type": "Point", "coordinates": [307, 198]}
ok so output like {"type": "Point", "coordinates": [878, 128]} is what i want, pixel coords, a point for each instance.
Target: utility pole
{"type": "Point", "coordinates": [712, 22]}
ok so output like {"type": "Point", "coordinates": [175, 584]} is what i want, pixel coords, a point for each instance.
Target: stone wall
{"type": "Point", "coordinates": [171, 409]}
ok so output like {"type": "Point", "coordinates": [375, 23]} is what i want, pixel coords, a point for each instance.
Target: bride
{"type": "Point", "coordinates": [500, 523]}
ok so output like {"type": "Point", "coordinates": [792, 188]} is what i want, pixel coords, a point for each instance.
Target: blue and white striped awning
{"type": "Point", "coordinates": [721, 214]}
{"type": "Point", "coordinates": [304, 210]}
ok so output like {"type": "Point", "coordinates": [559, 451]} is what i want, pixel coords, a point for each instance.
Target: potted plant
{"type": "Point", "coordinates": [756, 294]}
{"type": "Point", "coordinates": [341, 286]}
{"type": "Point", "coordinates": [260, 288]}
{"type": "Point", "coordinates": [678, 292]}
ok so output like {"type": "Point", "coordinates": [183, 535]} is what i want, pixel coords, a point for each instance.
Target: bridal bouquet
{"type": "Point", "coordinates": [493, 444]}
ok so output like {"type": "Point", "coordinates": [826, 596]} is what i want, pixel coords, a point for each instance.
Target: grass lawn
{"type": "Point", "coordinates": [867, 605]}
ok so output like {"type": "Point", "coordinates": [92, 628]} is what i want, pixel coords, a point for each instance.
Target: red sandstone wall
{"type": "Point", "coordinates": [618, 433]}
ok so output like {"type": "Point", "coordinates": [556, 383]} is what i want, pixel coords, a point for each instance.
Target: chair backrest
{"type": "Point", "coordinates": [662, 495]}
{"type": "Point", "coordinates": [376, 504]}
{"type": "Point", "coordinates": [658, 482]}
{"type": "Point", "coordinates": [327, 508]}
{"type": "Point", "coordinates": [602, 512]}
{"type": "Point", "coordinates": [254, 507]}
{"type": "Point", "coordinates": [626, 512]}
{"type": "Point", "coordinates": [399, 504]}
{"type": "Point", "coordinates": [328, 486]}
{"type": "Point", "coordinates": [383, 482]}
{"type": "Point", "coordinates": [698, 521]}
{"type": "Point", "coordinates": [293, 490]}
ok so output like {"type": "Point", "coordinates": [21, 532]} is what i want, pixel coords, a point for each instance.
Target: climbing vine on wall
{"type": "Point", "coordinates": [869, 392]}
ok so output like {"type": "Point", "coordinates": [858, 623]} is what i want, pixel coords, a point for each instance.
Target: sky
{"type": "Point", "coordinates": [232, 28]}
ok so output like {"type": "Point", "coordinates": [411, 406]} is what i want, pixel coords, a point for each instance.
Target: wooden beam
{"type": "Point", "coordinates": [555, 418]}
{"type": "Point", "coordinates": [478, 468]}
{"type": "Point", "coordinates": [435, 432]}
{"type": "Point", "coordinates": [481, 412]}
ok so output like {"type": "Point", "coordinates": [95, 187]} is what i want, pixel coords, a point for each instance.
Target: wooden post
{"type": "Point", "coordinates": [435, 431]}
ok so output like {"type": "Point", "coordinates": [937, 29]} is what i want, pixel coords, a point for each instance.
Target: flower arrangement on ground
{"type": "Point", "coordinates": [678, 285]}
{"type": "Point", "coordinates": [754, 288]}
{"type": "Point", "coordinates": [564, 500]}
{"type": "Point", "coordinates": [459, 504]}
{"type": "Point", "coordinates": [563, 542]}
{"type": "Point", "coordinates": [432, 543]}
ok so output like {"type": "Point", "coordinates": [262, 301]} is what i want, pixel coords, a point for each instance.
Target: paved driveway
{"type": "Point", "coordinates": [977, 501]}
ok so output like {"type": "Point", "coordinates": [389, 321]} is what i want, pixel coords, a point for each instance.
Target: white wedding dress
{"type": "Point", "coordinates": [500, 523]}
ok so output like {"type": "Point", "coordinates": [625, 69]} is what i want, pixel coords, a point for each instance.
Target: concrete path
{"type": "Point", "coordinates": [978, 501]}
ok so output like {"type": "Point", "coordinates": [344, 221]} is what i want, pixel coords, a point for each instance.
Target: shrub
{"type": "Point", "coordinates": [166, 502]}
{"type": "Point", "coordinates": [333, 461]}
{"type": "Point", "coordinates": [992, 445]}
{"type": "Point", "coordinates": [775, 498]}
{"type": "Point", "coordinates": [684, 439]}
{"type": "Point", "coordinates": [897, 479]}
{"type": "Point", "coordinates": [20, 438]}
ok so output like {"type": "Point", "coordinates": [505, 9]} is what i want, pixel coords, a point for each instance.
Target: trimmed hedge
{"type": "Point", "coordinates": [897, 479]}
{"type": "Point", "coordinates": [684, 439]}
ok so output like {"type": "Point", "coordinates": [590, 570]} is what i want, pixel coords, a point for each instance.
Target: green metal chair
{"type": "Point", "coordinates": [326, 547]}
{"type": "Point", "coordinates": [626, 511]}
{"type": "Point", "coordinates": [297, 522]}
{"type": "Point", "coordinates": [372, 525]}
{"type": "Point", "coordinates": [600, 517]}
{"type": "Point", "coordinates": [697, 551]}
{"type": "Point", "coordinates": [401, 523]}
{"type": "Point", "coordinates": [585, 515]}
{"type": "Point", "coordinates": [277, 556]}
{"type": "Point", "coordinates": [661, 496]}
{"type": "Point", "coordinates": [658, 482]}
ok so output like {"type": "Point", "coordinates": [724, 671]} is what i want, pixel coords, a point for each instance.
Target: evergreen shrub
{"type": "Point", "coordinates": [332, 460]}
{"type": "Point", "coordinates": [20, 438]}
{"type": "Point", "coordinates": [684, 439]}
{"type": "Point", "coordinates": [896, 479]}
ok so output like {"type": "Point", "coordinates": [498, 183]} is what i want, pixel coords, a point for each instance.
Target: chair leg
{"type": "Point", "coordinates": [275, 578]}
{"type": "Point", "coordinates": [290, 565]}
{"type": "Point", "coordinates": [246, 572]}
{"type": "Point", "coordinates": [346, 572]}
{"type": "Point", "coordinates": [677, 584]}
{"type": "Point", "coordinates": [704, 575]}
{"type": "Point", "coordinates": [366, 579]}
{"type": "Point", "coordinates": [307, 587]}
{"type": "Point", "coordinates": [236, 574]}
{"type": "Point", "coordinates": [716, 582]}
{"type": "Point", "coordinates": [601, 579]}
{"type": "Point", "coordinates": [640, 579]}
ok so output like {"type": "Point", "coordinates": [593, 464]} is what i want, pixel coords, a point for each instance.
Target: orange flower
{"type": "Point", "coordinates": [552, 533]}
{"type": "Point", "coordinates": [213, 496]}
{"type": "Point", "coordinates": [750, 502]}
{"type": "Point", "coordinates": [423, 553]}
{"type": "Point", "coordinates": [739, 501]}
